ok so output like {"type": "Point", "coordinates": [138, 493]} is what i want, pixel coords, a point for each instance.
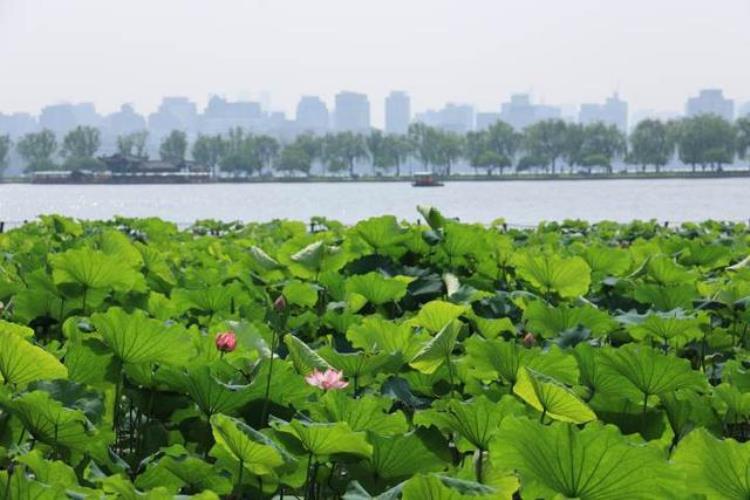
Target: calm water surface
{"type": "Point", "coordinates": [519, 202]}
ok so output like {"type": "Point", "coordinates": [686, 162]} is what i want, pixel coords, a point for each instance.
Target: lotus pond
{"type": "Point", "coordinates": [386, 360]}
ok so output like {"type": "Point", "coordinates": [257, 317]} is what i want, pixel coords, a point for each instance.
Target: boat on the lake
{"type": "Point", "coordinates": [426, 179]}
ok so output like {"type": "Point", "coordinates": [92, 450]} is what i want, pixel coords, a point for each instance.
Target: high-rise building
{"type": "Point", "coordinates": [174, 113]}
{"type": "Point", "coordinates": [124, 121]}
{"type": "Point", "coordinates": [352, 113]}
{"type": "Point", "coordinates": [17, 124]}
{"type": "Point", "coordinates": [221, 115]}
{"type": "Point", "coordinates": [710, 101]}
{"type": "Point", "coordinates": [744, 110]}
{"type": "Point", "coordinates": [485, 120]}
{"type": "Point", "coordinates": [312, 115]}
{"type": "Point", "coordinates": [614, 111]}
{"type": "Point", "coordinates": [518, 112]}
{"type": "Point", "coordinates": [458, 118]}
{"type": "Point", "coordinates": [397, 113]}
{"type": "Point", "coordinates": [62, 118]}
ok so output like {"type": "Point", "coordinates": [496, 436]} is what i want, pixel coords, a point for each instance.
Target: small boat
{"type": "Point", "coordinates": [426, 179]}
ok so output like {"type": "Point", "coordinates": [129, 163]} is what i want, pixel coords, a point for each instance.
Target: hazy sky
{"type": "Point", "coordinates": [655, 52]}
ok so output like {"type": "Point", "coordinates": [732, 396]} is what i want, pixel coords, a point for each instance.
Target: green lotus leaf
{"type": "Point", "coordinates": [493, 358]}
{"type": "Point", "coordinates": [301, 294]}
{"type": "Point", "coordinates": [400, 457]}
{"type": "Point", "coordinates": [376, 288]}
{"type": "Point", "coordinates": [26, 488]}
{"type": "Point", "coordinates": [49, 421]}
{"type": "Point", "coordinates": [669, 329]}
{"type": "Point", "coordinates": [210, 394]}
{"type": "Point", "coordinates": [437, 350]}
{"type": "Point", "coordinates": [606, 261]}
{"type": "Point", "coordinates": [731, 404]}
{"type": "Point", "coordinates": [665, 271]}
{"type": "Point", "coordinates": [376, 334]}
{"type": "Point", "coordinates": [651, 371]}
{"type": "Point", "coordinates": [368, 413]}
{"type": "Point", "coordinates": [287, 387]}
{"type": "Point", "coordinates": [550, 321]}
{"type": "Point", "coordinates": [594, 463]}
{"type": "Point", "coordinates": [432, 216]}
{"type": "Point", "coordinates": [464, 239]}
{"type": "Point", "coordinates": [254, 451]}
{"type": "Point", "coordinates": [155, 265]}
{"type": "Point", "coordinates": [264, 260]}
{"type": "Point", "coordinates": [598, 379]}
{"type": "Point", "coordinates": [359, 363]}
{"type": "Point", "coordinates": [54, 473]}
{"type": "Point", "coordinates": [566, 276]}
{"type": "Point", "coordinates": [116, 244]}
{"type": "Point", "coordinates": [176, 468]}
{"type": "Point", "coordinates": [703, 255]}
{"type": "Point", "coordinates": [381, 232]}
{"type": "Point", "coordinates": [436, 314]}
{"type": "Point", "coordinates": [437, 487]}
{"type": "Point", "coordinates": [717, 469]}
{"type": "Point", "coordinates": [90, 361]}
{"type": "Point", "coordinates": [327, 439]}
{"type": "Point", "coordinates": [477, 420]}
{"type": "Point", "coordinates": [666, 297]}
{"type": "Point", "coordinates": [135, 338]}
{"type": "Point", "coordinates": [21, 362]}
{"type": "Point", "coordinates": [92, 270]}
{"type": "Point", "coordinates": [207, 300]}
{"type": "Point", "coordinates": [551, 398]}
{"type": "Point", "coordinates": [12, 328]}
{"type": "Point", "coordinates": [304, 358]}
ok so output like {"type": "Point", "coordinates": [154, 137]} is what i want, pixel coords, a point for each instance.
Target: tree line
{"type": "Point", "coordinates": [550, 146]}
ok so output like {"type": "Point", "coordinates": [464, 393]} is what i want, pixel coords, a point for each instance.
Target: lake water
{"type": "Point", "coordinates": [519, 202]}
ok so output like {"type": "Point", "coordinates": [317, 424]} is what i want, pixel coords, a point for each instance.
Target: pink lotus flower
{"type": "Point", "coordinates": [329, 379]}
{"type": "Point", "coordinates": [226, 341]}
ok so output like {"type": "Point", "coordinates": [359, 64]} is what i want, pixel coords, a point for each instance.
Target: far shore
{"type": "Point", "coordinates": [408, 178]}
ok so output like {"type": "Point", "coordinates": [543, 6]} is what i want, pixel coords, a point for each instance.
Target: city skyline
{"type": "Point", "coordinates": [349, 111]}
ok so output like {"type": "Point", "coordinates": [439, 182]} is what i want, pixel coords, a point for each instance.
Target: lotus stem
{"type": "Point", "coordinates": [478, 462]}
{"type": "Point", "coordinates": [264, 413]}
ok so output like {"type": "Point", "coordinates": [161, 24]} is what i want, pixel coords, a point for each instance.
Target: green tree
{"type": "Point", "coordinates": [236, 158]}
{"type": "Point", "coordinates": [546, 139]}
{"type": "Point", "coordinates": [575, 135]}
{"type": "Point", "coordinates": [651, 143]}
{"type": "Point", "coordinates": [388, 151]}
{"type": "Point", "coordinates": [265, 150]}
{"type": "Point", "coordinates": [492, 148]}
{"type": "Point", "coordinates": [601, 145]}
{"type": "Point", "coordinates": [448, 150]}
{"type": "Point", "coordinates": [133, 144]}
{"type": "Point", "coordinates": [423, 140]}
{"type": "Point", "coordinates": [294, 158]}
{"type": "Point", "coordinates": [342, 151]}
{"type": "Point", "coordinates": [706, 140]}
{"type": "Point", "coordinates": [743, 137]}
{"type": "Point", "coordinates": [5, 146]}
{"type": "Point", "coordinates": [174, 147]}
{"type": "Point", "coordinates": [208, 150]}
{"type": "Point", "coordinates": [79, 147]}
{"type": "Point", "coordinates": [37, 150]}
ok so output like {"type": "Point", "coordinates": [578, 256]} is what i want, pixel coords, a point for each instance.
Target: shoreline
{"type": "Point", "coordinates": [384, 179]}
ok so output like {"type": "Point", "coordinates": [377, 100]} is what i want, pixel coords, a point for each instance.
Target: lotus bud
{"type": "Point", "coordinates": [529, 339]}
{"type": "Point", "coordinates": [279, 304]}
{"type": "Point", "coordinates": [226, 341]}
